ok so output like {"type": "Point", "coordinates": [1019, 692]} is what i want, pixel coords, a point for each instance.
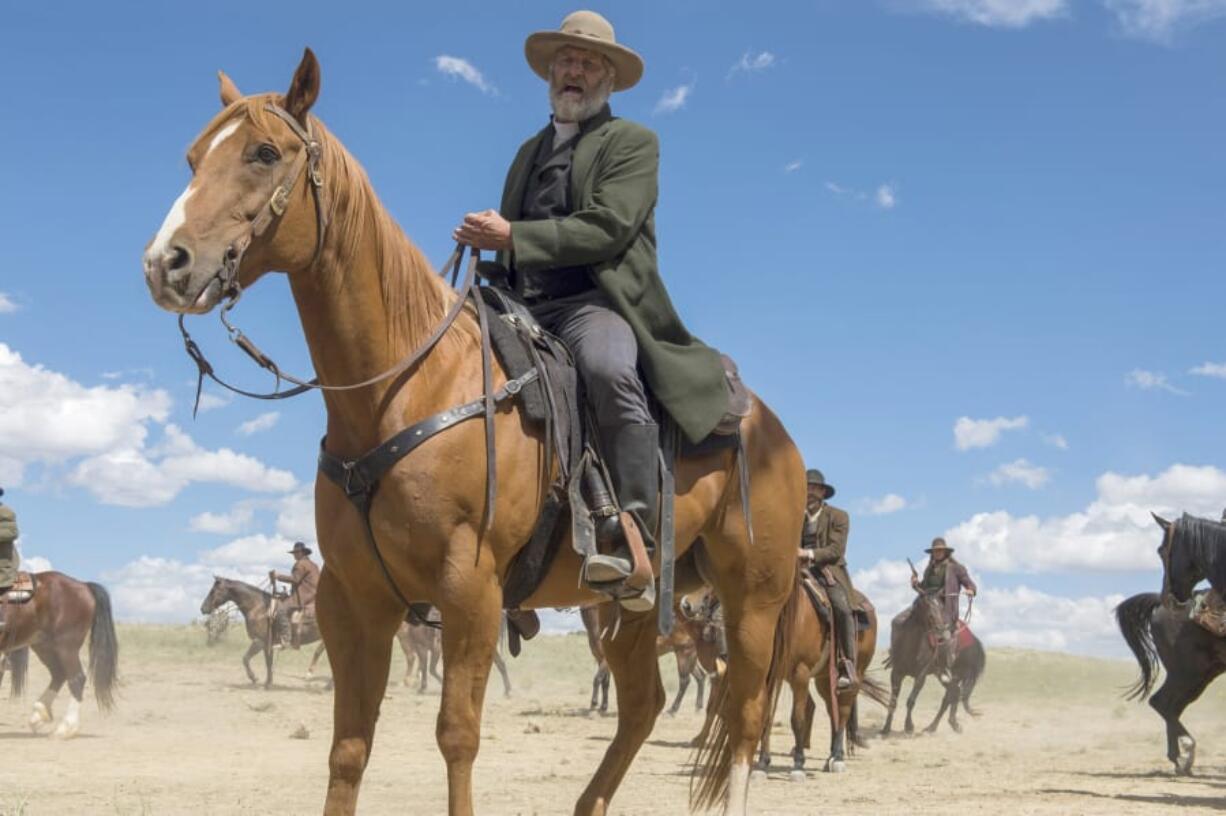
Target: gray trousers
{"type": "Point", "coordinates": [8, 564]}
{"type": "Point", "coordinates": [605, 353]}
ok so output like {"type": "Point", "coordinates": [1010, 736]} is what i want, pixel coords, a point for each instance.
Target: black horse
{"type": "Point", "coordinates": [1193, 549]}
{"type": "Point", "coordinates": [1191, 655]}
{"type": "Point", "coordinates": [913, 655]}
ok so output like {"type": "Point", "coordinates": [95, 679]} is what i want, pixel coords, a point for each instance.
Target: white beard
{"type": "Point", "coordinates": [566, 109]}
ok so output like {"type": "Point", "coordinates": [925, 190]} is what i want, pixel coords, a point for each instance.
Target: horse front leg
{"type": "Point", "coordinates": [683, 684]}
{"type": "Point", "coordinates": [252, 651]}
{"type": "Point", "coordinates": [42, 715]}
{"type": "Point", "coordinates": [916, 688]}
{"type": "Point", "coordinates": [948, 700]}
{"type": "Point", "coordinates": [631, 657]}
{"type": "Point", "coordinates": [802, 706]}
{"type": "Point", "coordinates": [896, 678]}
{"type": "Point", "coordinates": [359, 646]}
{"type": "Point", "coordinates": [319, 650]}
{"type": "Point", "coordinates": [471, 609]}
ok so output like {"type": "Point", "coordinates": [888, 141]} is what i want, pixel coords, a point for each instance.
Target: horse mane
{"type": "Point", "coordinates": [1206, 541]}
{"type": "Point", "coordinates": [414, 297]}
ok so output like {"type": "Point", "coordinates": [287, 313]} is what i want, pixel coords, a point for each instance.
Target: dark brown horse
{"type": "Point", "coordinates": [1193, 658]}
{"type": "Point", "coordinates": [685, 641]}
{"type": "Point", "coordinates": [912, 654]}
{"type": "Point", "coordinates": [254, 604]}
{"type": "Point", "coordinates": [273, 189]}
{"type": "Point", "coordinates": [54, 624]}
{"type": "Point", "coordinates": [811, 663]}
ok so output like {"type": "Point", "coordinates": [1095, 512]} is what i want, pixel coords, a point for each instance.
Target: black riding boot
{"type": "Point", "coordinates": [633, 456]}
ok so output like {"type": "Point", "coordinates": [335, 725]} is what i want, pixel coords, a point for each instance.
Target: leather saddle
{"type": "Point", "coordinates": [555, 402]}
{"type": "Point", "coordinates": [22, 591]}
{"type": "Point", "coordinates": [860, 604]}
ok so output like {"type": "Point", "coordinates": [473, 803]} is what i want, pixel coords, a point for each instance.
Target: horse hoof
{"type": "Point", "coordinates": [957, 728]}
{"type": "Point", "coordinates": [797, 775]}
{"type": "Point", "coordinates": [757, 775]}
{"type": "Point", "coordinates": [835, 766]}
{"type": "Point", "coordinates": [1187, 756]}
{"type": "Point", "coordinates": [39, 718]}
{"type": "Point", "coordinates": [65, 731]}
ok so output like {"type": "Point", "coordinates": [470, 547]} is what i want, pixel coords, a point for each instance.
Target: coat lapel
{"type": "Point", "coordinates": [594, 133]}
{"type": "Point", "coordinates": [517, 182]}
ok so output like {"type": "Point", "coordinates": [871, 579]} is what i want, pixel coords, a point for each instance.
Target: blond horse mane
{"type": "Point", "coordinates": [414, 297]}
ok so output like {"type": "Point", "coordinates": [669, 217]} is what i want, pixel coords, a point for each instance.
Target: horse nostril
{"type": "Point", "coordinates": [180, 258]}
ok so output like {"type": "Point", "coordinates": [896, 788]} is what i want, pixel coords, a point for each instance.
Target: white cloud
{"type": "Point", "coordinates": [793, 166]}
{"type": "Point", "coordinates": [1021, 472]}
{"type": "Point", "coordinates": [47, 417]}
{"type": "Point", "coordinates": [7, 304]}
{"type": "Point", "coordinates": [1151, 381]}
{"type": "Point", "coordinates": [461, 68]}
{"type": "Point", "coordinates": [751, 63]}
{"type": "Point", "coordinates": [674, 99]}
{"type": "Point", "coordinates": [257, 552]}
{"type": "Point", "coordinates": [886, 197]}
{"type": "Point", "coordinates": [1020, 617]}
{"type": "Point", "coordinates": [263, 422]}
{"type": "Point", "coordinates": [889, 503]}
{"type": "Point", "coordinates": [1159, 19]}
{"type": "Point", "coordinates": [131, 477]}
{"type": "Point", "coordinates": [1056, 441]}
{"type": "Point", "coordinates": [296, 515]}
{"type": "Point", "coordinates": [1217, 370]}
{"type": "Point", "coordinates": [35, 563]}
{"type": "Point", "coordinates": [210, 401]}
{"type": "Point", "coordinates": [1114, 533]}
{"type": "Point", "coordinates": [998, 13]}
{"type": "Point", "coordinates": [235, 521]}
{"type": "Point", "coordinates": [984, 433]}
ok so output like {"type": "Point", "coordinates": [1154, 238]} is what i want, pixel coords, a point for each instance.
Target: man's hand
{"type": "Point", "coordinates": [914, 582]}
{"type": "Point", "coordinates": [970, 593]}
{"type": "Point", "coordinates": [804, 554]}
{"type": "Point", "coordinates": [484, 230]}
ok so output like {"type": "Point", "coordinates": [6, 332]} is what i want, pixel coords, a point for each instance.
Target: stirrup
{"type": "Point", "coordinates": [608, 569]}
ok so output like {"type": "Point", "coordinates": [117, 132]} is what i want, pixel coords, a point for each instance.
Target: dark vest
{"type": "Point", "coordinates": [547, 195]}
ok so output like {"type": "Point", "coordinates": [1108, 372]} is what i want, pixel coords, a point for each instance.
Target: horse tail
{"type": "Point", "coordinates": [875, 690]}
{"type": "Point", "coordinates": [1134, 617]}
{"type": "Point", "coordinates": [713, 762]}
{"type": "Point", "coordinates": [103, 648]}
{"type": "Point", "coordinates": [977, 661]}
{"type": "Point", "coordinates": [19, 664]}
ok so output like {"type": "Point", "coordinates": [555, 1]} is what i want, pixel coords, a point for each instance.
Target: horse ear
{"type": "Point", "coordinates": [229, 91]}
{"type": "Point", "coordinates": [1163, 523]}
{"type": "Point", "coordinates": [304, 88]}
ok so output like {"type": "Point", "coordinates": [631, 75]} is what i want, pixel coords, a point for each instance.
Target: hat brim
{"type": "Point", "coordinates": [540, 48]}
{"type": "Point", "coordinates": [304, 551]}
{"type": "Point", "coordinates": [931, 550]}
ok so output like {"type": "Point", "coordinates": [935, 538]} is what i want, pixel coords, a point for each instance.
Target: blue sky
{"type": "Point", "coordinates": [894, 215]}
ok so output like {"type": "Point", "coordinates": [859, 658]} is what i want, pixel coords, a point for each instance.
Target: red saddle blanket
{"type": "Point", "coordinates": [965, 637]}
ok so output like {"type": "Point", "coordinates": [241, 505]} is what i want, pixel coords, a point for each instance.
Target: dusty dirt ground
{"type": "Point", "coordinates": [190, 737]}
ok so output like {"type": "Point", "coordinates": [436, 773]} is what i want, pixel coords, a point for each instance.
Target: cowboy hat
{"type": "Point", "coordinates": [939, 544]}
{"type": "Point", "coordinates": [814, 476]}
{"type": "Point", "coordinates": [590, 31]}
{"type": "Point", "coordinates": [299, 547]}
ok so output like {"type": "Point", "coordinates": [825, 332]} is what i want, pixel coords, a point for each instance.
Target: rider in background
{"type": "Point", "coordinates": [8, 552]}
{"type": "Point", "coordinates": [945, 577]}
{"type": "Point", "coordinates": [303, 580]}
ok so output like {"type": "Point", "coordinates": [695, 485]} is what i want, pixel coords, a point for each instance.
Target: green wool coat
{"type": "Point", "coordinates": [8, 525]}
{"type": "Point", "coordinates": [614, 186]}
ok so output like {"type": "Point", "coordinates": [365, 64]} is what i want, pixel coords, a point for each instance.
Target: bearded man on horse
{"type": "Point", "coordinates": [303, 580]}
{"type": "Point", "coordinates": [947, 578]}
{"type": "Point", "coordinates": [823, 548]}
{"type": "Point", "coordinates": [8, 552]}
{"type": "Point", "coordinates": [575, 237]}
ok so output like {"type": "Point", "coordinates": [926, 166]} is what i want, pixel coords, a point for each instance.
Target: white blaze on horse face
{"type": "Point", "coordinates": [223, 134]}
{"type": "Point", "coordinates": [170, 225]}
{"type": "Point", "coordinates": [178, 211]}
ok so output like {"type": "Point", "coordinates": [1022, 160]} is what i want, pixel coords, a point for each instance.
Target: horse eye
{"type": "Point", "coordinates": [267, 154]}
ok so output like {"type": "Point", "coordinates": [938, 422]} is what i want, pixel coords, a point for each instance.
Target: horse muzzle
{"type": "Point", "coordinates": [179, 283]}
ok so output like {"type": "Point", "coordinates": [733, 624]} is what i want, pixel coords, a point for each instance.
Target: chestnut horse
{"type": "Point", "coordinates": [810, 653]}
{"type": "Point", "coordinates": [369, 303]}
{"type": "Point", "coordinates": [54, 624]}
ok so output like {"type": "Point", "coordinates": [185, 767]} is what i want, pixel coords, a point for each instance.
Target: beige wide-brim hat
{"type": "Point", "coordinates": [939, 545]}
{"type": "Point", "coordinates": [584, 29]}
